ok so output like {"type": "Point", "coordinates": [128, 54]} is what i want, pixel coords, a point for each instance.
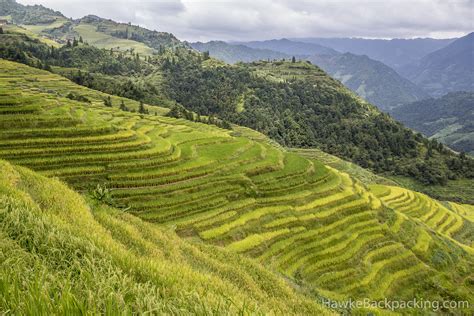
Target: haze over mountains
{"type": "Point", "coordinates": [422, 68]}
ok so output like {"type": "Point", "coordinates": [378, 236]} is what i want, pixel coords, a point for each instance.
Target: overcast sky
{"type": "Point", "coordinates": [195, 20]}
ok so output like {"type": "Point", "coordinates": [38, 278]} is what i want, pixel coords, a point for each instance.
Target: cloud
{"type": "Point", "coordinates": [265, 19]}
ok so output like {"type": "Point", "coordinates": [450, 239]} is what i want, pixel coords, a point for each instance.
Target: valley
{"type": "Point", "coordinates": [143, 174]}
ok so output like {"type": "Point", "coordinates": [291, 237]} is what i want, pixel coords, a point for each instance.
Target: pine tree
{"type": "Point", "coordinates": [1, 30]}
{"type": "Point", "coordinates": [68, 44]}
{"type": "Point", "coordinates": [293, 59]}
{"type": "Point", "coordinates": [81, 40]}
{"type": "Point", "coordinates": [108, 101]}
{"type": "Point", "coordinates": [75, 42]}
{"type": "Point", "coordinates": [141, 109]}
{"type": "Point", "coordinates": [123, 107]}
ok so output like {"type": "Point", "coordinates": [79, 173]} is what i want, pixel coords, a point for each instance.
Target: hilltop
{"type": "Point", "coordinates": [370, 79]}
{"type": "Point", "coordinates": [232, 189]}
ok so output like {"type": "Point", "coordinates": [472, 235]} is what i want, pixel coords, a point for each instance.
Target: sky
{"type": "Point", "coordinates": [243, 20]}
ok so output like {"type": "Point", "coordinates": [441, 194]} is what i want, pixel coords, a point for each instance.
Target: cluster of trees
{"type": "Point", "coordinates": [178, 111]}
{"type": "Point", "coordinates": [296, 112]}
{"type": "Point", "coordinates": [299, 114]}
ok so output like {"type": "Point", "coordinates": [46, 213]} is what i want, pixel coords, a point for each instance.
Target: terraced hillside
{"type": "Point", "coordinates": [234, 189]}
{"type": "Point", "coordinates": [60, 255]}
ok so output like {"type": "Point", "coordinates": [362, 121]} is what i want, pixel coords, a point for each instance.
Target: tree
{"type": "Point", "coordinates": [108, 101]}
{"type": "Point", "coordinates": [1, 30]}
{"type": "Point", "coordinates": [205, 55]}
{"type": "Point", "coordinates": [75, 42]}
{"type": "Point", "coordinates": [141, 109]}
{"type": "Point", "coordinates": [293, 59]}
{"type": "Point", "coordinates": [123, 107]}
{"type": "Point", "coordinates": [68, 44]}
{"type": "Point", "coordinates": [81, 40]}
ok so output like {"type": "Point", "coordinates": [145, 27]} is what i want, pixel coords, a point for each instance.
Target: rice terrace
{"type": "Point", "coordinates": [139, 175]}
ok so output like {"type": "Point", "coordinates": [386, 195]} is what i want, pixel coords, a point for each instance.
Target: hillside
{"type": "Point", "coordinates": [446, 70]}
{"type": "Point", "coordinates": [450, 119]}
{"type": "Point", "coordinates": [30, 14]}
{"type": "Point", "coordinates": [289, 47]}
{"type": "Point", "coordinates": [61, 254]}
{"type": "Point", "coordinates": [241, 93]}
{"type": "Point", "coordinates": [102, 33]}
{"type": "Point", "coordinates": [372, 80]}
{"type": "Point", "coordinates": [322, 229]}
{"type": "Point", "coordinates": [396, 53]}
{"type": "Point", "coordinates": [298, 105]}
{"type": "Point", "coordinates": [236, 53]}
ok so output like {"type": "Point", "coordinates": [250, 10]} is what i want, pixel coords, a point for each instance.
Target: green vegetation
{"type": "Point", "coordinates": [298, 105]}
{"type": "Point", "coordinates": [448, 119]}
{"type": "Point", "coordinates": [310, 110]}
{"type": "Point", "coordinates": [324, 231]}
{"type": "Point", "coordinates": [36, 14]}
{"type": "Point", "coordinates": [62, 255]}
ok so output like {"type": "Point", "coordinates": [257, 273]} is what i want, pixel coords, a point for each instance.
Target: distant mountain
{"type": "Point", "coordinates": [449, 119]}
{"type": "Point", "coordinates": [395, 53]}
{"type": "Point", "coordinates": [30, 14]}
{"type": "Point", "coordinates": [235, 53]}
{"type": "Point", "coordinates": [371, 79]}
{"type": "Point", "coordinates": [290, 47]}
{"type": "Point", "coordinates": [446, 70]}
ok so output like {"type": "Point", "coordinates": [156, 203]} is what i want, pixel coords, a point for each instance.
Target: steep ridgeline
{"type": "Point", "coordinates": [449, 119]}
{"type": "Point", "coordinates": [35, 14]}
{"type": "Point", "coordinates": [321, 228]}
{"type": "Point", "coordinates": [446, 70]}
{"type": "Point", "coordinates": [99, 32]}
{"type": "Point", "coordinates": [236, 53]}
{"type": "Point", "coordinates": [372, 80]}
{"type": "Point", "coordinates": [396, 53]}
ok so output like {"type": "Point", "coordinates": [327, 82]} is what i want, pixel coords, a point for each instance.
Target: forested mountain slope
{"type": "Point", "coordinates": [370, 79]}
{"type": "Point", "coordinates": [296, 104]}
{"type": "Point", "coordinates": [321, 228]}
{"type": "Point", "coordinates": [450, 119]}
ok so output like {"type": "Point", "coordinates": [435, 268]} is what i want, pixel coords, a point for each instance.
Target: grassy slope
{"type": "Point", "coordinates": [103, 40]}
{"type": "Point", "coordinates": [31, 33]}
{"type": "Point", "coordinates": [60, 255]}
{"type": "Point", "coordinates": [317, 226]}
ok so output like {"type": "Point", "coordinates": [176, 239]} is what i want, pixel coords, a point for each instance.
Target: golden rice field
{"type": "Point", "coordinates": [230, 193]}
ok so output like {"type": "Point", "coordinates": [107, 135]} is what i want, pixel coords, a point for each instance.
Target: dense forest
{"type": "Point", "coordinates": [294, 111]}
{"type": "Point", "coordinates": [449, 119]}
